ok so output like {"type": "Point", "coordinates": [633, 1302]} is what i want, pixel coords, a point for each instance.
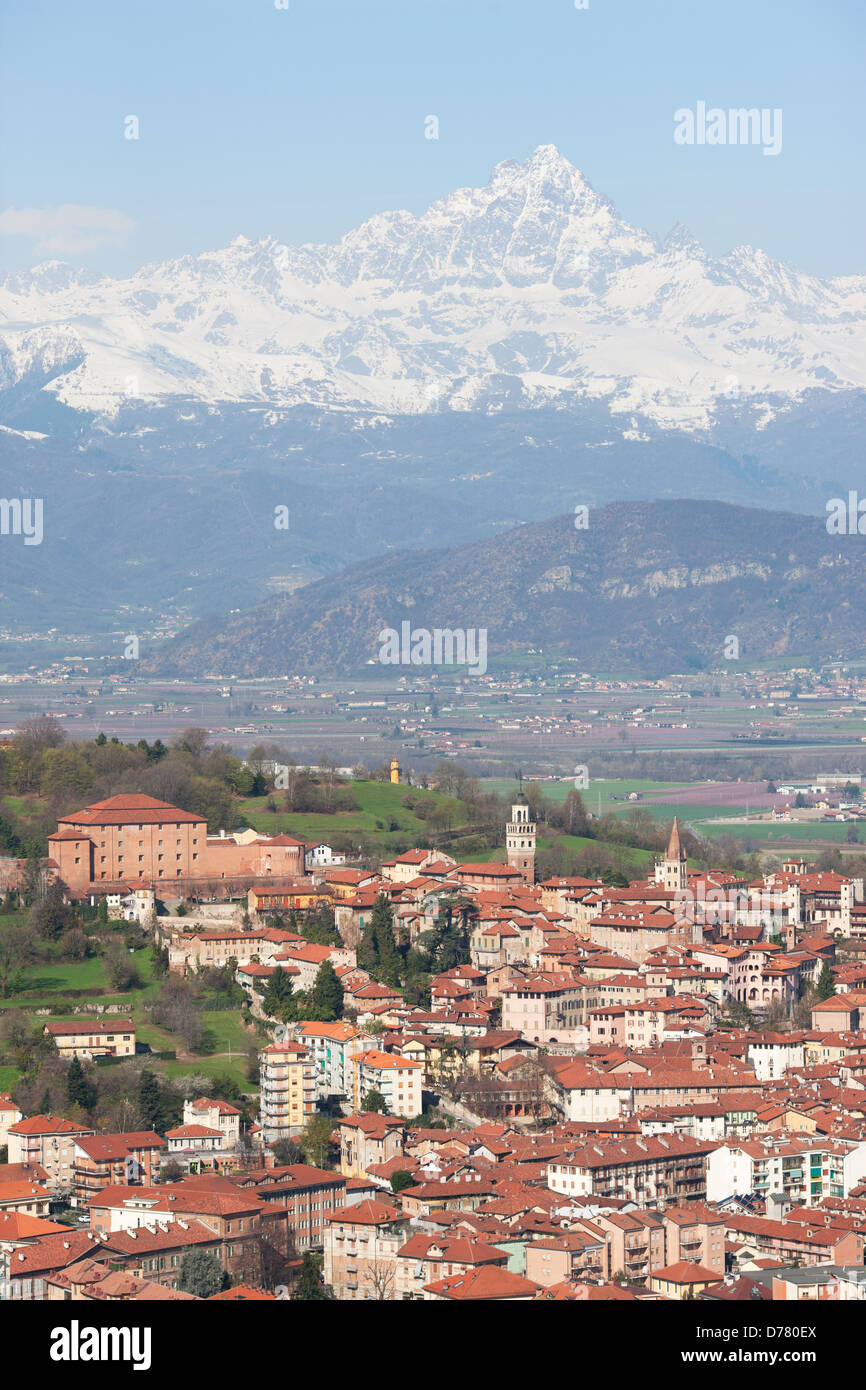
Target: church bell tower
{"type": "Point", "coordinates": [675, 863]}
{"type": "Point", "coordinates": [520, 839]}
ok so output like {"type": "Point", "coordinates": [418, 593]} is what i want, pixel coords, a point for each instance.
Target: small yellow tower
{"type": "Point", "coordinates": [395, 770]}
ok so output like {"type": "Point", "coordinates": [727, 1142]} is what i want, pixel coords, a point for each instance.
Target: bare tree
{"type": "Point", "coordinates": [266, 1257]}
{"type": "Point", "coordinates": [35, 735]}
{"type": "Point", "coordinates": [379, 1277]}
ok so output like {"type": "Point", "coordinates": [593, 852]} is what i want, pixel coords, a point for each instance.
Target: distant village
{"type": "Point", "coordinates": [648, 1092]}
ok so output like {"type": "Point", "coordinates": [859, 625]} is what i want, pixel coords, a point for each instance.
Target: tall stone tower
{"type": "Point", "coordinates": [520, 839]}
{"type": "Point", "coordinates": [674, 865]}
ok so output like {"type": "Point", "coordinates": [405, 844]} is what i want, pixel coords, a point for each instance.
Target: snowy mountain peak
{"type": "Point", "coordinates": [547, 172]}
{"type": "Point", "coordinates": [529, 289]}
{"type": "Point", "coordinates": [49, 277]}
{"type": "Point", "coordinates": [680, 241]}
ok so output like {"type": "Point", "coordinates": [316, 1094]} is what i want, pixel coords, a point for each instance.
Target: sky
{"type": "Point", "coordinates": [300, 118]}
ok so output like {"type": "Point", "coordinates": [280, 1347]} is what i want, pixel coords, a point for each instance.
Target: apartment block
{"type": "Point", "coordinates": [289, 1089]}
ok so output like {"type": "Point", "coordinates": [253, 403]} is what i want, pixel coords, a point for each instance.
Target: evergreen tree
{"type": "Point", "coordinates": [32, 887]}
{"type": "Point", "coordinates": [826, 986]}
{"type": "Point", "coordinates": [368, 952]}
{"type": "Point", "coordinates": [150, 1102]}
{"type": "Point", "coordinates": [9, 841]}
{"type": "Point", "coordinates": [200, 1274]}
{"type": "Point", "coordinates": [390, 959]}
{"type": "Point", "coordinates": [417, 991]}
{"type": "Point", "coordinates": [449, 944]}
{"type": "Point", "coordinates": [78, 1088]}
{"type": "Point", "coordinates": [377, 950]}
{"type": "Point", "coordinates": [325, 1000]}
{"type": "Point", "coordinates": [50, 914]}
{"type": "Point", "coordinates": [375, 1102]}
{"type": "Point", "coordinates": [309, 1287]}
{"type": "Point", "coordinates": [739, 1014]}
{"type": "Point", "coordinates": [279, 1000]}
{"type": "Point", "coordinates": [320, 927]}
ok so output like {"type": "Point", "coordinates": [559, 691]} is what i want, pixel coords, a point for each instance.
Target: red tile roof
{"type": "Point", "coordinates": [128, 809]}
{"type": "Point", "coordinates": [485, 1282]}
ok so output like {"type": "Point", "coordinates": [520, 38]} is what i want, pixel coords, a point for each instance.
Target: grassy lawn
{"type": "Point", "coordinates": [377, 801]}
{"type": "Point", "coordinates": [223, 1031]}
{"type": "Point", "coordinates": [8, 1077]}
{"type": "Point", "coordinates": [159, 1039]}
{"type": "Point", "coordinates": [43, 982]}
{"type": "Point", "coordinates": [640, 859]}
{"type": "Point", "coordinates": [211, 1066]}
{"type": "Point", "coordinates": [55, 977]}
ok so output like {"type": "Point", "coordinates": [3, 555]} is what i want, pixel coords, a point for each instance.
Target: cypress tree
{"type": "Point", "coordinates": [326, 996]}
{"type": "Point", "coordinates": [150, 1101]}
{"type": "Point", "coordinates": [78, 1089]}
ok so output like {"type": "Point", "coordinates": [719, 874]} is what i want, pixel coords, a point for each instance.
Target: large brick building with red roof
{"type": "Point", "coordinates": [132, 840]}
{"type": "Point", "coordinates": [127, 839]}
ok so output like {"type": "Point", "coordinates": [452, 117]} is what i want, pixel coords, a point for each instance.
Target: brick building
{"type": "Point", "coordinates": [132, 839]}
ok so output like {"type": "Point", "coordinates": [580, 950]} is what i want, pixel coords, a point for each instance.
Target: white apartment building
{"type": "Point", "coordinates": [804, 1168]}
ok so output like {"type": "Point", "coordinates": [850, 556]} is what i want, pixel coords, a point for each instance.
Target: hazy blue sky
{"type": "Point", "coordinates": [302, 122]}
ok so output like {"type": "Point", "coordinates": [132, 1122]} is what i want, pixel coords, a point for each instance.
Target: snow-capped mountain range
{"type": "Point", "coordinates": [529, 291]}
